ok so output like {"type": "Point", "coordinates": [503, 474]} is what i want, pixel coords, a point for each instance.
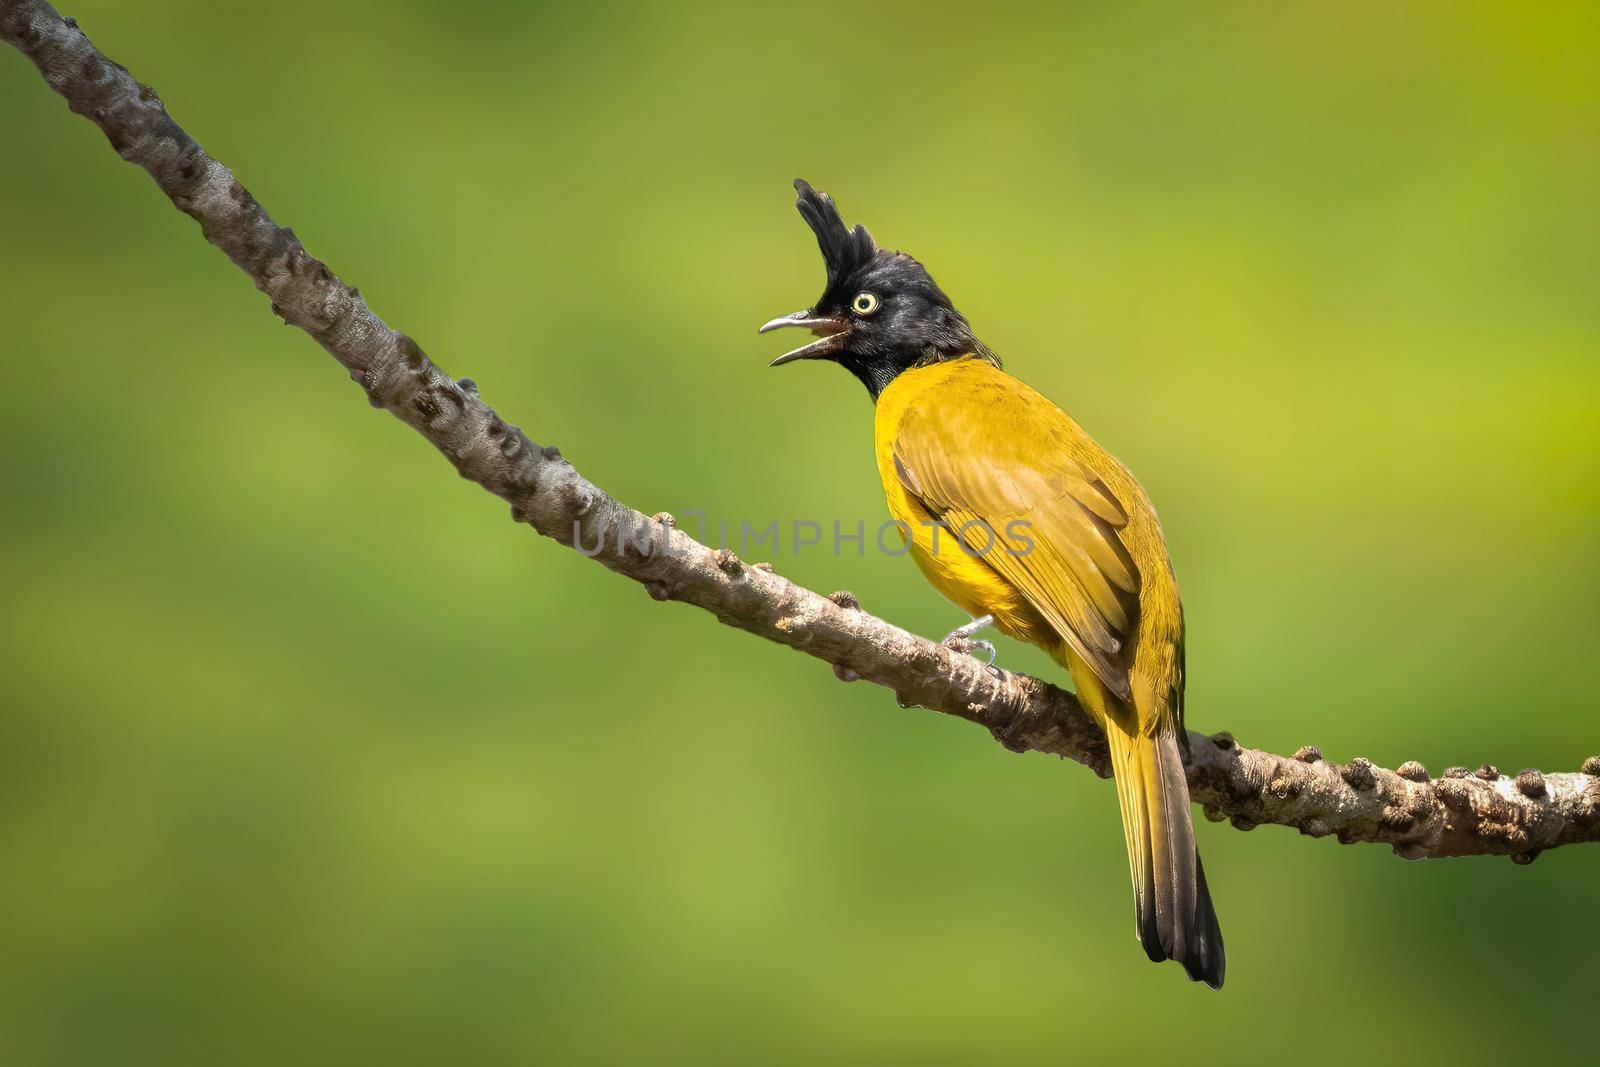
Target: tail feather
{"type": "Point", "coordinates": [1209, 959]}
{"type": "Point", "coordinates": [1176, 918]}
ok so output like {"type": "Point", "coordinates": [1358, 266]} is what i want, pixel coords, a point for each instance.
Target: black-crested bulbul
{"type": "Point", "coordinates": [1021, 519]}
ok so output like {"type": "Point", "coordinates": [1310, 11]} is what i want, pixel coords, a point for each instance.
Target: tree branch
{"type": "Point", "coordinates": [1464, 813]}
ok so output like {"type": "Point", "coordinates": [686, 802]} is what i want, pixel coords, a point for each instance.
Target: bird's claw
{"type": "Point", "coordinates": [960, 639]}
{"type": "Point", "coordinates": [974, 647]}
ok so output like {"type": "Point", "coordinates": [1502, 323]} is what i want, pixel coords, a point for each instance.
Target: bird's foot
{"type": "Point", "coordinates": [960, 639]}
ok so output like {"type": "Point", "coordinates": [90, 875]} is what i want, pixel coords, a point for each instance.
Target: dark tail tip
{"type": "Point", "coordinates": [1202, 953]}
{"type": "Point", "coordinates": [1198, 944]}
{"type": "Point", "coordinates": [1177, 920]}
{"type": "Point", "coordinates": [1205, 959]}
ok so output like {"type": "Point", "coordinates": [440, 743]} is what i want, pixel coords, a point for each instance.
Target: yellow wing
{"type": "Point", "coordinates": [999, 469]}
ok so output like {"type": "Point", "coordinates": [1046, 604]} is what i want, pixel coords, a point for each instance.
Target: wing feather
{"type": "Point", "coordinates": [1051, 526]}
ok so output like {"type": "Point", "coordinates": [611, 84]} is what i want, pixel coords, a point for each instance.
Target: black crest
{"type": "Point", "coordinates": [844, 250]}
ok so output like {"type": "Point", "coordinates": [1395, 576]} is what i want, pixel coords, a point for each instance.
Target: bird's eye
{"type": "Point", "coordinates": [864, 303]}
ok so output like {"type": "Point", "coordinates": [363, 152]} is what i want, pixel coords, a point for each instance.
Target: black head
{"type": "Point", "coordinates": [881, 313]}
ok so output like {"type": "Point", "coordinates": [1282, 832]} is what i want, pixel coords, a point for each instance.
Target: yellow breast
{"type": "Point", "coordinates": [966, 580]}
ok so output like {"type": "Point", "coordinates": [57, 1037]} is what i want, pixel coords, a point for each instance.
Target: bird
{"type": "Point", "coordinates": [1023, 521]}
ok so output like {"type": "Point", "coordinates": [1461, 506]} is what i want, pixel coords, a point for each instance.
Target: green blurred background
{"type": "Point", "coordinates": [311, 755]}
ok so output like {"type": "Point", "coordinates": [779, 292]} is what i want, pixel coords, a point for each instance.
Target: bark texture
{"type": "Point", "coordinates": [1463, 813]}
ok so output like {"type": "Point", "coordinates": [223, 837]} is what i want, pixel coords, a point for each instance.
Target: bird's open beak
{"type": "Point", "coordinates": [831, 333]}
